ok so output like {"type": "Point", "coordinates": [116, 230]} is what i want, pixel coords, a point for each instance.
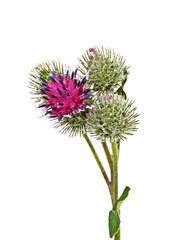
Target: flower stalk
{"type": "Point", "coordinates": [115, 150]}
{"type": "Point", "coordinates": [110, 161]}
{"type": "Point", "coordinates": [97, 158]}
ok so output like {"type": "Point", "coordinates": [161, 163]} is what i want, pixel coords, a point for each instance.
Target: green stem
{"type": "Point", "coordinates": [118, 149]}
{"type": "Point", "coordinates": [115, 170]}
{"type": "Point", "coordinates": [110, 161]}
{"type": "Point", "coordinates": [115, 149]}
{"type": "Point", "coordinates": [107, 153]}
{"type": "Point", "coordinates": [97, 159]}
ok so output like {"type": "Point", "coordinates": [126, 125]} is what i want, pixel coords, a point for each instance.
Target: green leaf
{"type": "Point", "coordinates": [121, 92]}
{"type": "Point", "coordinates": [124, 195]}
{"type": "Point", "coordinates": [114, 222]}
{"type": "Point", "coordinates": [120, 89]}
{"type": "Point", "coordinates": [114, 219]}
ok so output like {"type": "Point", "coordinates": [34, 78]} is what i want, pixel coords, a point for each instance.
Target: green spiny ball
{"type": "Point", "coordinates": [113, 118]}
{"type": "Point", "coordinates": [107, 70]}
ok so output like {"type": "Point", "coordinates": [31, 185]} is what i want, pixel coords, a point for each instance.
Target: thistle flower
{"type": "Point", "coordinates": [113, 118]}
{"type": "Point", "coordinates": [64, 95]}
{"type": "Point", "coordinates": [58, 92]}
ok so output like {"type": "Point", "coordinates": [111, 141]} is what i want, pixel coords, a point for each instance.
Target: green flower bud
{"type": "Point", "coordinates": [107, 69]}
{"type": "Point", "coordinates": [112, 118]}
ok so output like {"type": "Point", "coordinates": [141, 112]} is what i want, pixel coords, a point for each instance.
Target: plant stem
{"type": "Point", "coordinates": [97, 159]}
{"type": "Point", "coordinates": [115, 170]}
{"type": "Point", "coordinates": [118, 149]}
{"type": "Point", "coordinates": [115, 149]}
{"type": "Point", "coordinates": [110, 161]}
{"type": "Point", "coordinates": [107, 153]}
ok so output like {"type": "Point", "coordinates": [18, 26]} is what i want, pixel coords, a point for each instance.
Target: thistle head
{"type": "Point", "coordinates": [61, 95]}
{"type": "Point", "coordinates": [113, 118]}
{"type": "Point", "coordinates": [107, 69]}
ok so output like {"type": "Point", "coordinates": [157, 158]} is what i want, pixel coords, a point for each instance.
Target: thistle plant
{"type": "Point", "coordinates": [90, 101]}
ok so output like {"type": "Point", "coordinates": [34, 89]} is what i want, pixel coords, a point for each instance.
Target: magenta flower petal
{"type": "Point", "coordinates": [64, 95]}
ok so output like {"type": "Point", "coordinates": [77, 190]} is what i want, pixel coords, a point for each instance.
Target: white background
{"type": "Point", "coordinates": [50, 185]}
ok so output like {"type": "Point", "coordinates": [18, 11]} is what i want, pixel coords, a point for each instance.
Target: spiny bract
{"type": "Point", "coordinates": [112, 118]}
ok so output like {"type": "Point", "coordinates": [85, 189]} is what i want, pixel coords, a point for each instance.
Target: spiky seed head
{"type": "Point", "coordinates": [113, 118]}
{"type": "Point", "coordinates": [107, 69]}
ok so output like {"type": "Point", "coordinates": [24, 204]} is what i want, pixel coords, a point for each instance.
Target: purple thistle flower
{"type": "Point", "coordinates": [64, 95]}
